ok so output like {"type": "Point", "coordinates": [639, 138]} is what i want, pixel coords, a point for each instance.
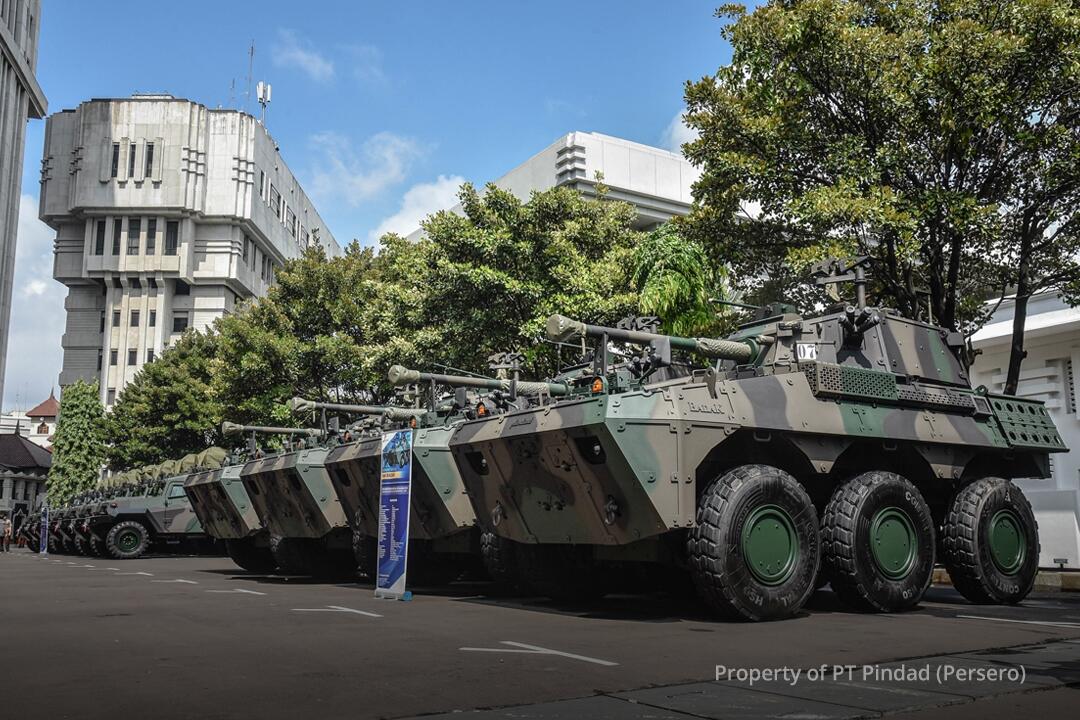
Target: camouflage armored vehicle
{"type": "Point", "coordinates": [851, 442]}
{"type": "Point", "coordinates": [227, 513]}
{"type": "Point", "coordinates": [295, 501]}
{"type": "Point", "coordinates": [158, 514]}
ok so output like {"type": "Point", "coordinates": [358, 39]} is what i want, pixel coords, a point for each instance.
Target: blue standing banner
{"type": "Point", "coordinates": [43, 532]}
{"type": "Point", "coordinates": [394, 495]}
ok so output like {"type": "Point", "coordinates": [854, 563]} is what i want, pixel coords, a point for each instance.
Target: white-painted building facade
{"type": "Point", "coordinates": [656, 182]}
{"type": "Point", "coordinates": [167, 213]}
{"type": "Point", "coordinates": [20, 99]}
{"type": "Point", "coordinates": [1049, 373]}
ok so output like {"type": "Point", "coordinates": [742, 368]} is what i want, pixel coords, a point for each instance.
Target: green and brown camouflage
{"type": "Point", "coordinates": [222, 504]}
{"type": "Point", "coordinates": [814, 396]}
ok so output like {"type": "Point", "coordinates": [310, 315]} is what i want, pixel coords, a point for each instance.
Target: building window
{"type": "Point", "coordinates": [136, 284]}
{"type": "Point", "coordinates": [110, 397]}
{"type": "Point", "coordinates": [134, 318]}
{"type": "Point", "coordinates": [181, 288]}
{"type": "Point", "coordinates": [99, 238]}
{"type": "Point", "coordinates": [133, 357]}
{"type": "Point", "coordinates": [100, 356]}
{"type": "Point", "coordinates": [116, 318]}
{"type": "Point", "coordinates": [150, 356]}
{"type": "Point", "coordinates": [112, 358]}
{"type": "Point", "coordinates": [152, 282]}
{"type": "Point", "coordinates": [262, 184]}
{"type": "Point", "coordinates": [245, 249]}
{"type": "Point", "coordinates": [172, 236]}
{"type": "Point", "coordinates": [115, 160]}
{"type": "Point", "coordinates": [131, 162]}
{"type": "Point", "coordinates": [153, 319]}
{"type": "Point", "coordinates": [179, 322]}
{"type": "Point", "coordinates": [275, 201]}
{"type": "Point", "coordinates": [151, 236]}
{"type": "Point", "coordinates": [149, 167]}
{"type": "Point", "coordinates": [134, 228]}
{"type": "Point", "coordinates": [116, 228]}
{"type": "Point", "coordinates": [102, 328]}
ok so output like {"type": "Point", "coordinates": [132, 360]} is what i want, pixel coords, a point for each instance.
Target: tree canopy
{"type": "Point", "coordinates": [79, 445]}
{"type": "Point", "coordinates": [938, 137]}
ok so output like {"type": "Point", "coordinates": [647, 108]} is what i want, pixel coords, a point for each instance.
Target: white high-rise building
{"type": "Point", "coordinates": [167, 213]}
{"type": "Point", "coordinates": [20, 98]}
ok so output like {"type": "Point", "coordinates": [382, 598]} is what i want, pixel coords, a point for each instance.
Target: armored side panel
{"type": "Point", "coordinates": [222, 504]}
{"type": "Point", "coordinates": [292, 494]}
{"type": "Point", "coordinates": [613, 469]}
{"type": "Point", "coordinates": [440, 507]}
{"type": "Point", "coordinates": [172, 514]}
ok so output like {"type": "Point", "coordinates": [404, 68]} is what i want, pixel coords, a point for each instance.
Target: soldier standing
{"type": "Point", "coordinates": [5, 533]}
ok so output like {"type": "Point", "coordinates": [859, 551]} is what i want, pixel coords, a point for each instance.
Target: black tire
{"type": "Point", "coordinates": [967, 548]}
{"type": "Point", "coordinates": [291, 555]}
{"type": "Point", "coordinates": [848, 544]}
{"type": "Point", "coordinates": [566, 573]}
{"type": "Point", "coordinates": [81, 546]}
{"type": "Point", "coordinates": [500, 561]}
{"type": "Point", "coordinates": [716, 546]}
{"type": "Point", "coordinates": [67, 546]}
{"type": "Point", "coordinates": [96, 546]}
{"type": "Point", "coordinates": [127, 540]}
{"type": "Point", "coordinates": [249, 556]}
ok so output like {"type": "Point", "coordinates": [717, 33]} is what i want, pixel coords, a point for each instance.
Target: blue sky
{"type": "Point", "coordinates": [381, 109]}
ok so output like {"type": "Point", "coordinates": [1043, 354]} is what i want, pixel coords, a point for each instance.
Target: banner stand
{"type": "Point", "coordinates": [395, 490]}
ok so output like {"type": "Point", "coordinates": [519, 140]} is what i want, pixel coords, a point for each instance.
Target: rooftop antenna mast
{"type": "Point", "coordinates": [251, 67]}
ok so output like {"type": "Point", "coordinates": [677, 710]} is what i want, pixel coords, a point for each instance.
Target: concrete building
{"type": "Point", "coordinates": [20, 98]}
{"type": "Point", "coordinates": [167, 213]}
{"type": "Point", "coordinates": [24, 468]}
{"type": "Point", "coordinates": [36, 424]}
{"type": "Point", "coordinates": [1049, 374]}
{"type": "Point", "coordinates": [657, 182]}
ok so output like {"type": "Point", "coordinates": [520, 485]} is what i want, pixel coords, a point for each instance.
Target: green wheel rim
{"type": "Point", "coordinates": [893, 542]}
{"type": "Point", "coordinates": [770, 545]}
{"type": "Point", "coordinates": [128, 540]}
{"type": "Point", "coordinates": [1008, 542]}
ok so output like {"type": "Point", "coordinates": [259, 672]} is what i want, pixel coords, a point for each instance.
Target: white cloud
{"type": "Point", "coordinates": [365, 62]}
{"type": "Point", "coordinates": [293, 51]}
{"type": "Point", "coordinates": [358, 175]}
{"type": "Point", "coordinates": [677, 133]}
{"type": "Point", "coordinates": [37, 314]}
{"type": "Point", "coordinates": [417, 203]}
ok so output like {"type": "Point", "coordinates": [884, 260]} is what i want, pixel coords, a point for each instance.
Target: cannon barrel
{"type": "Point", "coordinates": [228, 428]}
{"type": "Point", "coordinates": [563, 329]}
{"type": "Point", "coordinates": [402, 376]}
{"type": "Point", "coordinates": [299, 405]}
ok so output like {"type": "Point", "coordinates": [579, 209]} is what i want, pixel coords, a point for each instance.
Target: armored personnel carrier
{"type": "Point", "coordinates": [226, 513]}
{"type": "Point", "coordinates": [850, 443]}
{"type": "Point", "coordinates": [158, 513]}
{"type": "Point", "coordinates": [295, 501]}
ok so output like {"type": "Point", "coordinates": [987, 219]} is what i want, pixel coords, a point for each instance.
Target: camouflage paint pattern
{"type": "Point", "coordinates": [440, 506]}
{"type": "Point", "coordinates": [222, 504]}
{"type": "Point", "coordinates": [292, 494]}
{"type": "Point", "coordinates": [611, 469]}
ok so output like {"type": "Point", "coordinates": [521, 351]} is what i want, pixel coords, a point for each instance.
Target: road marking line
{"type": "Point", "coordinates": [238, 590]}
{"type": "Point", "coordinates": [537, 650]}
{"type": "Point", "coordinates": [338, 608]}
{"type": "Point", "coordinates": [189, 582]}
{"type": "Point", "coordinates": [116, 569]}
{"type": "Point", "coordinates": [137, 573]}
{"type": "Point", "coordinates": [1022, 622]}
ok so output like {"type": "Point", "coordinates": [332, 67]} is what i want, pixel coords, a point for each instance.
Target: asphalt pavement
{"type": "Point", "coordinates": [185, 637]}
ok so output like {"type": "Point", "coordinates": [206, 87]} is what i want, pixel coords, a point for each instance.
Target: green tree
{"type": "Point", "coordinates": [79, 446]}
{"type": "Point", "coordinates": [938, 137]}
{"type": "Point", "coordinates": [678, 283]}
{"type": "Point", "coordinates": [169, 408]}
{"type": "Point", "coordinates": [496, 272]}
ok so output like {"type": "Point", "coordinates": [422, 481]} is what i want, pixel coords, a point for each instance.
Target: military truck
{"type": "Point", "coordinates": [226, 512]}
{"type": "Point", "coordinates": [295, 500]}
{"type": "Point", "coordinates": [160, 515]}
{"type": "Point", "coordinates": [850, 442]}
